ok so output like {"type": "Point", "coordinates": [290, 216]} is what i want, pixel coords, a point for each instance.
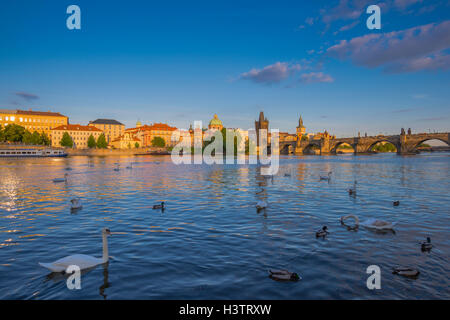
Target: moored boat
{"type": "Point", "coordinates": [24, 152]}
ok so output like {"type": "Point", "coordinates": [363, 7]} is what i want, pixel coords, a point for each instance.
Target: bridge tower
{"type": "Point", "coordinates": [301, 130]}
{"type": "Point", "coordinates": [261, 124]}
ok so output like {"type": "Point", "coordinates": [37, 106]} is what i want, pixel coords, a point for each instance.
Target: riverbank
{"type": "Point", "coordinates": [114, 152]}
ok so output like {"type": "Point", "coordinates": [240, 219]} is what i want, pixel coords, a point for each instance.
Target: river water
{"type": "Point", "coordinates": [210, 243]}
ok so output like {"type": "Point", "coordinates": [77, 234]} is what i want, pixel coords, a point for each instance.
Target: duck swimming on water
{"type": "Point", "coordinates": [283, 275]}
{"type": "Point", "coordinates": [159, 206]}
{"type": "Point", "coordinates": [396, 203]}
{"type": "Point", "coordinates": [322, 232]}
{"type": "Point", "coordinates": [406, 272]}
{"type": "Point", "coordinates": [426, 245]}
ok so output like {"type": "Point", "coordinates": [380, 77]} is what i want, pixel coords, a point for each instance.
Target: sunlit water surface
{"type": "Point", "coordinates": [210, 243]}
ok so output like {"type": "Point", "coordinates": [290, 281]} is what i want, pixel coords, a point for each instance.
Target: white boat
{"type": "Point", "coordinates": [31, 152]}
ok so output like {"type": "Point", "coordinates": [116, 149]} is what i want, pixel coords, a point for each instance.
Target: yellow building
{"type": "Point", "coordinates": [79, 134]}
{"type": "Point", "coordinates": [112, 128]}
{"type": "Point", "coordinates": [33, 120]}
{"type": "Point", "coordinates": [127, 141]}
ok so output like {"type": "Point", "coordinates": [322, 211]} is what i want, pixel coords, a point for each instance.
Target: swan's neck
{"type": "Point", "coordinates": [105, 248]}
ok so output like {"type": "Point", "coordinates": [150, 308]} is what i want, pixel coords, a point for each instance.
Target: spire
{"type": "Point", "coordinates": [300, 122]}
{"type": "Point", "coordinates": [261, 117]}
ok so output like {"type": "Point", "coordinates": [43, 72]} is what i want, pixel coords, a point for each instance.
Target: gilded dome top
{"type": "Point", "coordinates": [215, 121]}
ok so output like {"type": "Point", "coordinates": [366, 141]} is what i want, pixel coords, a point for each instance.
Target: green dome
{"type": "Point", "coordinates": [215, 121]}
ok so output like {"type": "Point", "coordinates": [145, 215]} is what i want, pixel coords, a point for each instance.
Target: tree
{"type": "Point", "coordinates": [36, 138]}
{"type": "Point", "coordinates": [304, 138]}
{"type": "Point", "coordinates": [45, 140]}
{"type": "Point", "coordinates": [2, 134]}
{"type": "Point", "coordinates": [101, 142]}
{"type": "Point", "coordinates": [158, 142]}
{"type": "Point", "coordinates": [136, 145]}
{"type": "Point", "coordinates": [27, 137]}
{"type": "Point", "coordinates": [91, 142]}
{"type": "Point", "coordinates": [14, 133]}
{"type": "Point", "coordinates": [384, 147]}
{"type": "Point", "coordinates": [66, 140]}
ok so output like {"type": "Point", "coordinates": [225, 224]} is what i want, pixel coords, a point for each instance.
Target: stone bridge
{"type": "Point", "coordinates": [405, 143]}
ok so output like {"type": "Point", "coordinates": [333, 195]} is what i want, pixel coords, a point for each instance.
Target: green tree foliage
{"type": "Point", "coordinates": [101, 142]}
{"type": "Point", "coordinates": [304, 137]}
{"type": "Point", "coordinates": [36, 138]}
{"type": "Point", "coordinates": [45, 140]}
{"type": "Point", "coordinates": [27, 137]}
{"type": "Point", "coordinates": [16, 133]}
{"type": "Point", "coordinates": [136, 145]}
{"type": "Point", "coordinates": [13, 133]}
{"type": "Point", "coordinates": [158, 142]}
{"type": "Point", "coordinates": [91, 142]}
{"type": "Point", "coordinates": [344, 146]}
{"type": "Point", "coordinates": [386, 147]}
{"type": "Point", "coordinates": [66, 140]}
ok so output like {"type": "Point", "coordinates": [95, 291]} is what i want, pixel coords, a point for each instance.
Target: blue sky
{"type": "Point", "coordinates": [180, 61]}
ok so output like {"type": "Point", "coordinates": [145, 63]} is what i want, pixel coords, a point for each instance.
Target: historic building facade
{"type": "Point", "coordinates": [111, 128]}
{"type": "Point", "coordinates": [33, 120]}
{"type": "Point", "coordinates": [79, 134]}
{"type": "Point", "coordinates": [144, 134]}
{"type": "Point", "coordinates": [127, 140]}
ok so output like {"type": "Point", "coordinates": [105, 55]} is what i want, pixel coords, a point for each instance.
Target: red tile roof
{"type": "Point", "coordinates": [40, 113]}
{"type": "Point", "coordinates": [77, 127]}
{"type": "Point", "coordinates": [156, 126]}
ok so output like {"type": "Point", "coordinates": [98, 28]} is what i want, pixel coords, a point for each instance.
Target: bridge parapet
{"type": "Point", "coordinates": [404, 143]}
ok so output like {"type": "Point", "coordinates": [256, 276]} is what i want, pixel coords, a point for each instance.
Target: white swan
{"type": "Point", "coordinates": [327, 178]}
{"type": "Point", "coordinates": [61, 179]}
{"type": "Point", "coordinates": [261, 205]}
{"type": "Point", "coordinates": [75, 204]}
{"type": "Point", "coordinates": [81, 260]}
{"type": "Point", "coordinates": [370, 223]}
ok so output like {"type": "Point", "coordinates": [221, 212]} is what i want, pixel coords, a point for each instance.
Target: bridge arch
{"type": "Point", "coordinates": [373, 144]}
{"type": "Point", "coordinates": [416, 144]}
{"type": "Point", "coordinates": [311, 148]}
{"type": "Point", "coordinates": [287, 148]}
{"type": "Point", "coordinates": [340, 143]}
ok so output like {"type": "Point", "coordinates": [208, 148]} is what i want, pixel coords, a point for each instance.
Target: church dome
{"type": "Point", "coordinates": [215, 122]}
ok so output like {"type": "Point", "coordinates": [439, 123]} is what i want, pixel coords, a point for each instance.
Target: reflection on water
{"type": "Point", "coordinates": [210, 242]}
